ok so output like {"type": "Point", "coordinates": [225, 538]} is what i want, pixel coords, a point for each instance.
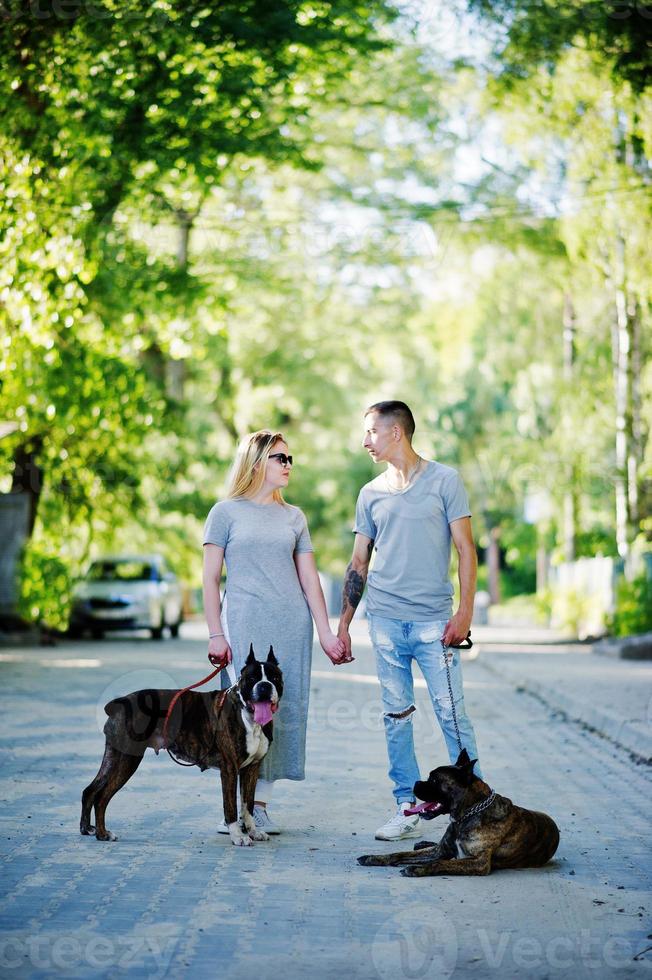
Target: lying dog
{"type": "Point", "coordinates": [486, 832]}
{"type": "Point", "coordinates": [226, 730]}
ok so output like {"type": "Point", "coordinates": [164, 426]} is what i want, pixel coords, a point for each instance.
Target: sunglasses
{"type": "Point", "coordinates": [282, 458]}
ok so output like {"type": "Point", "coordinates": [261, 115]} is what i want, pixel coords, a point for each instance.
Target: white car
{"type": "Point", "coordinates": [127, 592]}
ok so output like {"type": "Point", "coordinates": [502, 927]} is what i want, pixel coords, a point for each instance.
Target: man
{"type": "Point", "coordinates": [408, 516]}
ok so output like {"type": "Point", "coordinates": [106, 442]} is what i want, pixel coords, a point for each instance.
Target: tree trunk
{"type": "Point", "coordinates": [175, 367]}
{"type": "Point", "coordinates": [570, 507]}
{"type": "Point", "coordinates": [626, 383]}
{"type": "Point", "coordinates": [28, 476]}
{"type": "Point", "coordinates": [543, 565]}
{"type": "Point", "coordinates": [493, 566]}
{"type": "Point", "coordinates": [636, 441]}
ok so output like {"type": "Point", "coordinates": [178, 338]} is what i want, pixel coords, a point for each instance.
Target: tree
{"type": "Point", "coordinates": [585, 70]}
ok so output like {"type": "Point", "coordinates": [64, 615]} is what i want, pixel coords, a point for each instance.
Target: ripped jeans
{"type": "Point", "coordinates": [396, 644]}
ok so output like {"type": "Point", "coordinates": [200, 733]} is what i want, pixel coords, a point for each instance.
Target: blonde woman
{"type": "Point", "coordinates": [272, 589]}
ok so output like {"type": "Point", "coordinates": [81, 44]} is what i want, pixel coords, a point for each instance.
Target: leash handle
{"type": "Point", "coordinates": [464, 645]}
{"type": "Point", "coordinates": [176, 697]}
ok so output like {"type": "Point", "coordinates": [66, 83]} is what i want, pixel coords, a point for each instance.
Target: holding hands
{"type": "Point", "coordinates": [219, 651]}
{"type": "Point", "coordinates": [336, 649]}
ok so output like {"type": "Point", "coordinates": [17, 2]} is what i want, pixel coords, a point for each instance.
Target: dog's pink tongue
{"type": "Point", "coordinates": [263, 712]}
{"type": "Point", "coordinates": [432, 808]}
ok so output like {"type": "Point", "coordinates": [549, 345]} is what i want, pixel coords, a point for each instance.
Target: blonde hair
{"type": "Point", "coordinates": [244, 479]}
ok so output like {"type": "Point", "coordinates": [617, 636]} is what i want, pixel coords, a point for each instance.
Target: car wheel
{"type": "Point", "coordinates": [174, 628]}
{"type": "Point", "coordinates": [157, 631]}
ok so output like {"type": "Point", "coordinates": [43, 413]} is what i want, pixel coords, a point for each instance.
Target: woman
{"type": "Point", "coordinates": [272, 589]}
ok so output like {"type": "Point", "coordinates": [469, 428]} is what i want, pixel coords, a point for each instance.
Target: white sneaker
{"type": "Point", "coordinates": [263, 821]}
{"type": "Point", "coordinates": [399, 827]}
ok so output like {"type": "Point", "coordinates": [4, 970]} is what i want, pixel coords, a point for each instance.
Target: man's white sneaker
{"type": "Point", "coordinates": [399, 827]}
{"type": "Point", "coordinates": [263, 820]}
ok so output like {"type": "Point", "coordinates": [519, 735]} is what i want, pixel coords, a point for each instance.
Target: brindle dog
{"type": "Point", "coordinates": [487, 832]}
{"type": "Point", "coordinates": [230, 731]}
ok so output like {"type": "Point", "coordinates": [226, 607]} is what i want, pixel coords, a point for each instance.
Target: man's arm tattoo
{"type": "Point", "coordinates": [354, 583]}
{"type": "Point", "coordinates": [353, 589]}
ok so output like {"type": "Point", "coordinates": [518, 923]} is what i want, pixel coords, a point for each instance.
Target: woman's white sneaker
{"type": "Point", "coordinates": [399, 827]}
{"type": "Point", "coordinates": [263, 820]}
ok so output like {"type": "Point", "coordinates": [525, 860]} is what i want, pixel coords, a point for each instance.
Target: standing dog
{"type": "Point", "coordinates": [486, 831]}
{"type": "Point", "coordinates": [226, 730]}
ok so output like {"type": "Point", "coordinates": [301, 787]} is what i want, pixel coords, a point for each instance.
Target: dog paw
{"type": "Point", "coordinates": [411, 872]}
{"type": "Point", "coordinates": [370, 860]}
{"type": "Point", "coordinates": [420, 844]}
{"type": "Point", "coordinates": [107, 835]}
{"type": "Point", "coordinates": [241, 840]}
{"type": "Point", "coordinates": [258, 835]}
{"type": "Point", "coordinates": [87, 831]}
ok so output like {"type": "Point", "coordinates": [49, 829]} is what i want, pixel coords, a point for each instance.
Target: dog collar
{"type": "Point", "coordinates": [478, 808]}
{"type": "Point", "coordinates": [236, 687]}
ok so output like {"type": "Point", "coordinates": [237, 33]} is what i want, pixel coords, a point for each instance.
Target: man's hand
{"type": "Point", "coordinates": [334, 648]}
{"type": "Point", "coordinates": [345, 638]}
{"type": "Point", "coordinates": [457, 629]}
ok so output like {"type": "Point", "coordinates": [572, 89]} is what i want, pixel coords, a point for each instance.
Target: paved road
{"type": "Point", "coordinates": [172, 899]}
{"type": "Point", "coordinates": [610, 695]}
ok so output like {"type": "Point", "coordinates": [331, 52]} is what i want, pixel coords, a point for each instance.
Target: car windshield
{"type": "Point", "coordinates": [122, 571]}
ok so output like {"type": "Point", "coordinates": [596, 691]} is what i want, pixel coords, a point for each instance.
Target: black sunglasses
{"type": "Point", "coordinates": [282, 458]}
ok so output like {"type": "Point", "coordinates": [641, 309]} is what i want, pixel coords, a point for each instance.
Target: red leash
{"type": "Point", "coordinates": [174, 700]}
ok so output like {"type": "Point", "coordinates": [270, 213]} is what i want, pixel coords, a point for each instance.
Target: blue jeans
{"type": "Point", "coordinates": [396, 644]}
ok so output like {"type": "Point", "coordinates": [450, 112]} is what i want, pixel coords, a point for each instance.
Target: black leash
{"type": "Point", "coordinates": [465, 645]}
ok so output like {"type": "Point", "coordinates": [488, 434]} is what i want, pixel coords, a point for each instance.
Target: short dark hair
{"type": "Point", "coordinates": [399, 412]}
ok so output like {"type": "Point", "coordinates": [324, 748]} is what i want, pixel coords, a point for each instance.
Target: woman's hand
{"type": "Point", "coordinates": [219, 652]}
{"type": "Point", "coordinates": [335, 649]}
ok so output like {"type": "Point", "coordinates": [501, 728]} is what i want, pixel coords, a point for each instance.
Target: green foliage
{"type": "Point", "coordinates": [520, 609]}
{"type": "Point", "coordinates": [518, 580]}
{"type": "Point", "coordinates": [633, 612]}
{"type": "Point", "coordinates": [121, 122]}
{"type": "Point", "coordinates": [538, 33]}
{"type": "Point", "coordinates": [574, 612]}
{"type": "Point", "coordinates": [45, 588]}
{"type": "Point", "coordinates": [218, 218]}
{"type": "Point", "coordinates": [596, 541]}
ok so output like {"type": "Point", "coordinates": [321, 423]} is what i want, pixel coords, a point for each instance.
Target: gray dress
{"type": "Point", "coordinates": [265, 605]}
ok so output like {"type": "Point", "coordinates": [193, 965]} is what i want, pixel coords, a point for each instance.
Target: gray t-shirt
{"type": "Point", "coordinates": [409, 577]}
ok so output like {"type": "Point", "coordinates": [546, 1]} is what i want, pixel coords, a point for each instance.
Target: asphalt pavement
{"type": "Point", "coordinates": [171, 898]}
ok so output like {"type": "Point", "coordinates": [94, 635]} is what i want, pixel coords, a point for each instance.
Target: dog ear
{"type": "Point", "coordinates": [271, 659]}
{"type": "Point", "coordinates": [463, 758]}
{"type": "Point", "coordinates": [468, 774]}
{"type": "Point", "coordinates": [251, 659]}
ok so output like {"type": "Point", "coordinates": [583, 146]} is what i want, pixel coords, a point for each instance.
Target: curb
{"type": "Point", "coordinates": [633, 737]}
{"type": "Point", "coordinates": [637, 647]}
